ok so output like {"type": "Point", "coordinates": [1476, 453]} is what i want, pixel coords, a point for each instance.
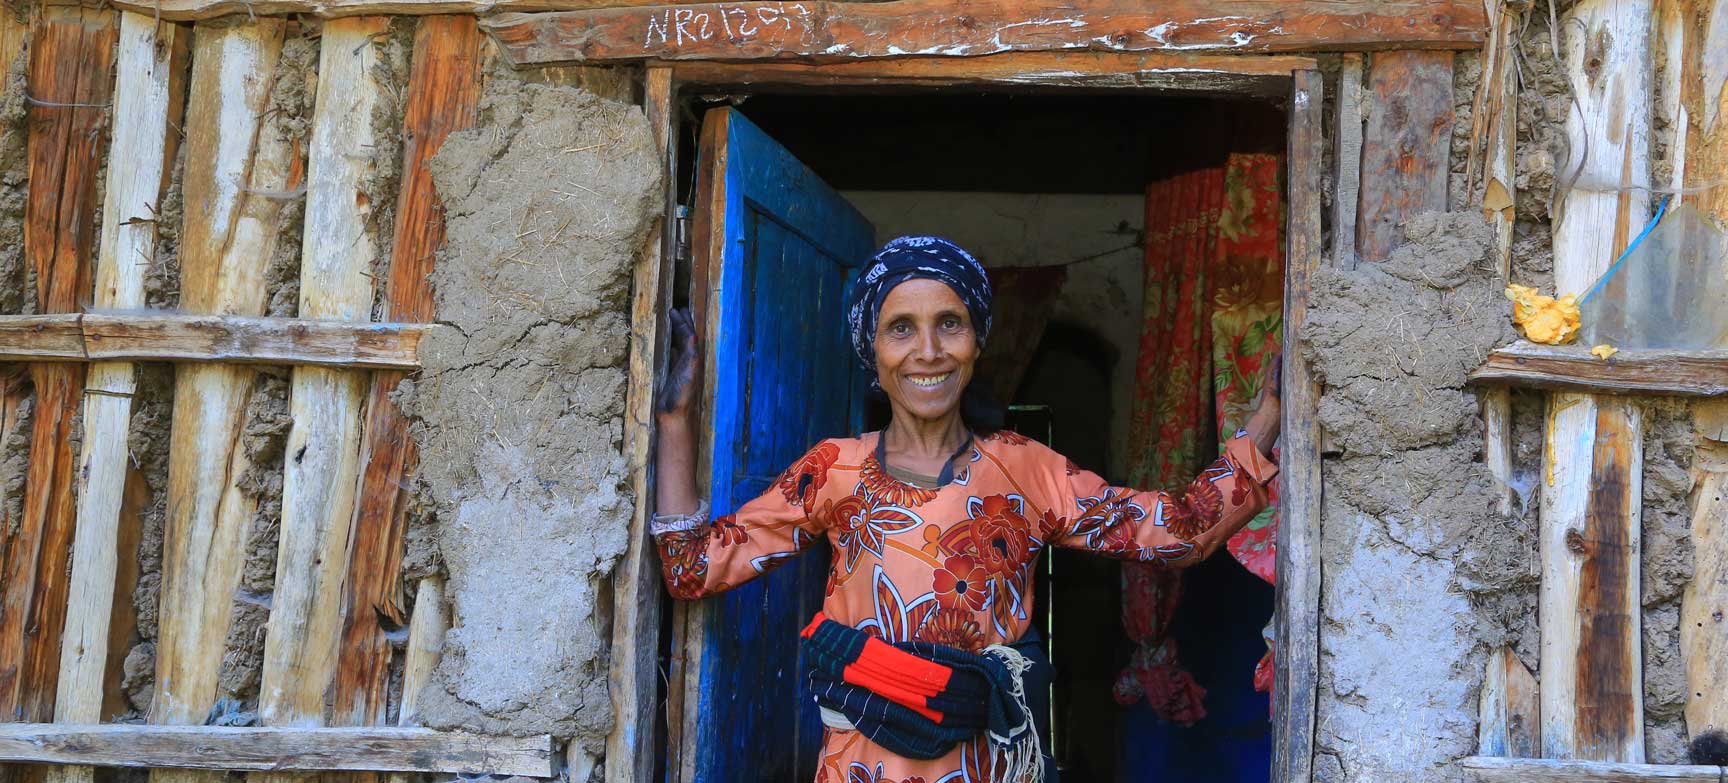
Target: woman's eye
{"type": "Point", "coordinates": [951, 323]}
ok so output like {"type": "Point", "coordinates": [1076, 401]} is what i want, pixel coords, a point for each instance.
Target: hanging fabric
{"type": "Point", "coordinates": [1213, 315]}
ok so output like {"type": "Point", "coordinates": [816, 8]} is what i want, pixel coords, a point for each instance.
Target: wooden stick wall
{"type": "Point", "coordinates": [211, 86]}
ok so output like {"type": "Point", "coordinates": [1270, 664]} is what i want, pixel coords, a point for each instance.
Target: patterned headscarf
{"type": "Point", "coordinates": [909, 258]}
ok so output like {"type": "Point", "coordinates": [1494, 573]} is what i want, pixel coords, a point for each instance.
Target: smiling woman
{"type": "Point", "coordinates": [923, 657]}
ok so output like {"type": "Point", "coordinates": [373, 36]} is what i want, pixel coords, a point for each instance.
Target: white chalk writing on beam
{"type": "Point", "coordinates": [663, 19]}
{"type": "Point", "coordinates": [740, 22]}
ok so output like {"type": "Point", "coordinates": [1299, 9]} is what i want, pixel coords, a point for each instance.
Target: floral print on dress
{"type": "Point", "coordinates": [953, 565]}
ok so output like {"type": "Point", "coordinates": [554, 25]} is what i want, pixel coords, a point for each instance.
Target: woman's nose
{"type": "Point", "coordinates": [929, 344]}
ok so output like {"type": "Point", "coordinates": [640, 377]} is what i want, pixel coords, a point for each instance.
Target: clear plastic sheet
{"type": "Point", "coordinates": [1670, 290]}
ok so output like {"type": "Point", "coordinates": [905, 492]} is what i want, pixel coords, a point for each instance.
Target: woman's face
{"type": "Point", "coordinates": [925, 348]}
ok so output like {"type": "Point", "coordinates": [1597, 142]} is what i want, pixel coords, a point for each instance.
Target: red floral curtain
{"type": "Point", "coordinates": [1213, 315]}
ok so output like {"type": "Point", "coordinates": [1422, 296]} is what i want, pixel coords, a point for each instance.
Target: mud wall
{"type": "Point", "coordinates": [518, 410]}
{"type": "Point", "coordinates": [1422, 576]}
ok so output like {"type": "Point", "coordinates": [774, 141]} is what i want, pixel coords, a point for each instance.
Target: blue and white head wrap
{"type": "Point", "coordinates": [909, 258]}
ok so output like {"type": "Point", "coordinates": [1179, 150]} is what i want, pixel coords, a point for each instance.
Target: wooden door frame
{"type": "Point", "coordinates": [1297, 79]}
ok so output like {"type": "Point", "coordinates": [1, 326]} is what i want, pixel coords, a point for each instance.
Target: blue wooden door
{"type": "Point", "coordinates": [782, 248]}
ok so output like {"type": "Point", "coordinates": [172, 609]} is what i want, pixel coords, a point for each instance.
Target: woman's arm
{"type": "Point", "coordinates": [675, 481]}
{"type": "Point", "coordinates": [699, 557]}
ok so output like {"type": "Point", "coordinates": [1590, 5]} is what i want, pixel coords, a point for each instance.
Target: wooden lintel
{"type": "Point", "coordinates": [209, 338]}
{"type": "Point", "coordinates": [1483, 769]}
{"type": "Point", "coordinates": [258, 748]}
{"type": "Point", "coordinates": [1267, 75]}
{"type": "Point", "coordinates": [1573, 368]}
{"type": "Point", "coordinates": [838, 31]}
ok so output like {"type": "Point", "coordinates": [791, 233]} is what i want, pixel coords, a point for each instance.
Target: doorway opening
{"type": "Point", "coordinates": [1050, 191]}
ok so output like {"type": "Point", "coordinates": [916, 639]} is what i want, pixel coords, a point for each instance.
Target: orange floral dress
{"type": "Point", "coordinates": [953, 565]}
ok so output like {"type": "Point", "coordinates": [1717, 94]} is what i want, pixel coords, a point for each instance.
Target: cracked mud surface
{"type": "Point", "coordinates": [518, 412]}
{"type": "Point", "coordinates": [1423, 577]}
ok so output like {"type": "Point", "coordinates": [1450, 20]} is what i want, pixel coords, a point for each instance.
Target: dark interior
{"type": "Point", "coordinates": [1067, 143]}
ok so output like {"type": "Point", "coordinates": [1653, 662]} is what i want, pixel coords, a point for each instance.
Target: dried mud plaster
{"type": "Point", "coordinates": [1665, 569]}
{"type": "Point", "coordinates": [15, 286]}
{"type": "Point", "coordinates": [517, 412]}
{"type": "Point", "coordinates": [1417, 558]}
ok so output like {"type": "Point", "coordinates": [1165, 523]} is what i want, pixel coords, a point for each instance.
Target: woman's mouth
{"type": "Point", "coordinates": [929, 381]}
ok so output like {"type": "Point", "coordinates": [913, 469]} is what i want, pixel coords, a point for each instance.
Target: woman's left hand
{"type": "Point", "coordinates": [1263, 423]}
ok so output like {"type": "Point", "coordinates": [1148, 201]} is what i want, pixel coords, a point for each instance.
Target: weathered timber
{"type": "Point", "coordinates": [1591, 668]}
{"type": "Point", "coordinates": [322, 476]}
{"type": "Point", "coordinates": [1695, 38]}
{"type": "Point", "coordinates": [189, 10]}
{"type": "Point", "coordinates": [150, 69]}
{"type": "Point", "coordinates": [230, 231]}
{"type": "Point", "coordinates": [232, 339]}
{"type": "Point", "coordinates": [29, 338]}
{"type": "Point", "coordinates": [70, 77]}
{"type": "Point", "coordinates": [1347, 161]}
{"type": "Point", "coordinates": [1481, 769]}
{"type": "Point", "coordinates": [1573, 368]}
{"type": "Point", "coordinates": [1494, 140]}
{"type": "Point", "coordinates": [1297, 618]}
{"type": "Point", "coordinates": [1704, 604]}
{"type": "Point", "coordinates": [443, 97]}
{"type": "Point", "coordinates": [1264, 75]}
{"type": "Point", "coordinates": [1509, 715]}
{"type": "Point", "coordinates": [634, 675]}
{"type": "Point", "coordinates": [426, 631]}
{"type": "Point", "coordinates": [835, 31]}
{"type": "Point", "coordinates": [1406, 143]}
{"type": "Point", "coordinates": [383, 749]}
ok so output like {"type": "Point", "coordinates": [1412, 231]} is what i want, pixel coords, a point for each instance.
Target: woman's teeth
{"type": "Point", "coordinates": [928, 381]}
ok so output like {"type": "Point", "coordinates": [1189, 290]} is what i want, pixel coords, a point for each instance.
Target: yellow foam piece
{"type": "Point", "coordinates": [1544, 319]}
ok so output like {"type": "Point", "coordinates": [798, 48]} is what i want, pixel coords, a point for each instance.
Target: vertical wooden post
{"type": "Point", "coordinates": [1509, 724]}
{"type": "Point", "coordinates": [1592, 673]}
{"type": "Point", "coordinates": [443, 97]}
{"type": "Point", "coordinates": [230, 232]}
{"type": "Point", "coordinates": [1298, 609]}
{"type": "Point", "coordinates": [1495, 130]}
{"type": "Point", "coordinates": [149, 69]}
{"type": "Point", "coordinates": [1405, 146]}
{"type": "Point", "coordinates": [70, 81]}
{"type": "Point", "coordinates": [322, 468]}
{"type": "Point", "coordinates": [1697, 38]}
{"type": "Point", "coordinates": [634, 677]}
{"type": "Point", "coordinates": [1347, 161]}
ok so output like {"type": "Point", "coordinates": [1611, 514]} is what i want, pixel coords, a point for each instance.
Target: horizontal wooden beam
{"type": "Point", "coordinates": [1268, 75]}
{"type": "Point", "coordinates": [258, 748]}
{"type": "Point", "coordinates": [816, 30]}
{"type": "Point", "coordinates": [1573, 368]}
{"type": "Point", "coordinates": [78, 337]}
{"type": "Point", "coordinates": [1484, 769]}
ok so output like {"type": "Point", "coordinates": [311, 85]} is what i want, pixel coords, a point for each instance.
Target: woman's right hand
{"type": "Point", "coordinates": [678, 392]}
{"type": "Point", "coordinates": [676, 449]}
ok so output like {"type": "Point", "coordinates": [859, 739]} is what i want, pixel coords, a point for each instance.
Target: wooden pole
{"type": "Point", "coordinates": [1509, 722]}
{"type": "Point", "coordinates": [1495, 134]}
{"type": "Point", "coordinates": [1347, 161]}
{"type": "Point", "coordinates": [443, 97]}
{"type": "Point", "coordinates": [229, 236]}
{"type": "Point", "coordinates": [322, 471]}
{"type": "Point", "coordinates": [1406, 145]}
{"type": "Point", "coordinates": [1296, 687]}
{"type": "Point", "coordinates": [150, 65]}
{"type": "Point", "coordinates": [1697, 40]}
{"type": "Point", "coordinates": [70, 81]}
{"type": "Point", "coordinates": [634, 677]}
{"type": "Point", "coordinates": [1591, 670]}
